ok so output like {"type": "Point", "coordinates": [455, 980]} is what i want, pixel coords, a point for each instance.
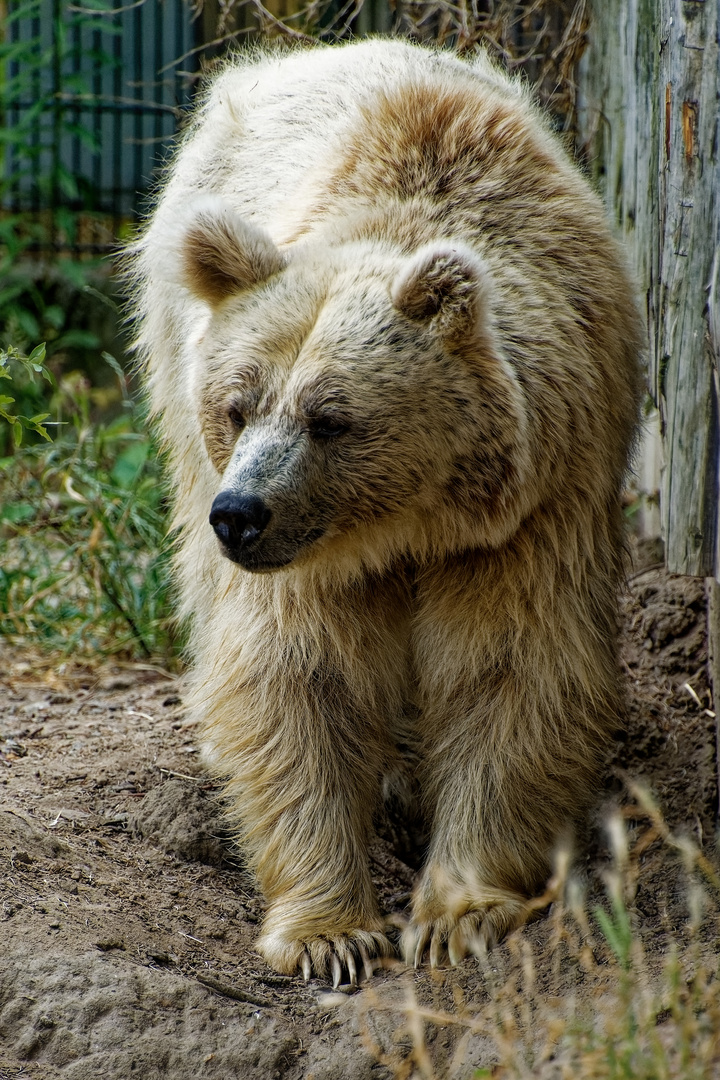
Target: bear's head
{"type": "Point", "coordinates": [341, 388]}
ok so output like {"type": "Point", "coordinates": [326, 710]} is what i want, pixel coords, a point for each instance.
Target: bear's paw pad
{"type": "Point", "coordinates": [343, 958]}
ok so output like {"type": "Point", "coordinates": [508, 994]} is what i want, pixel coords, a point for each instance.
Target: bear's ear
{"type": "Point", "coordinates": [220, 254]}
{"type": "Point", "coordinates": [447, 283]}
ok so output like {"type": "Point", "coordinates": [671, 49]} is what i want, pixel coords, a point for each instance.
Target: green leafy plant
{"type": "Point", "coordinates": [82, 525]}
{"type": "Point", "coordinates": [82, 519]}
{"type": "Point", "coordinates": [40, 78]}
{"type": "Point", "coordinates": [31, 365]}
{"type": "Point", "coordinates": [45, 77]}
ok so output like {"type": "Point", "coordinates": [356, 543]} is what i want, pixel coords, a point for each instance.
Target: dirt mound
{"type": "Point", "coordinates": [181, 818]}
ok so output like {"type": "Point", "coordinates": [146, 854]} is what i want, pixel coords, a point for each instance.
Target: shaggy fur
{"type": "Point", "coordinates": [377, 301]}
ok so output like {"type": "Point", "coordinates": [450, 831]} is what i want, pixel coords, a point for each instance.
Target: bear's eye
{"type": "Point", "coordinates": [236, 418]}
{"type": "Point", "coordinates": [327, 427]}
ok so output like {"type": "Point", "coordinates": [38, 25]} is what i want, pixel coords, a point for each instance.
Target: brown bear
{"type": "Point", "coordinates": [393, 351]}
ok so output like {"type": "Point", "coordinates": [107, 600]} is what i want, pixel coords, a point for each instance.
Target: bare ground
{"type": "Point", "coordinates": [127, 921]}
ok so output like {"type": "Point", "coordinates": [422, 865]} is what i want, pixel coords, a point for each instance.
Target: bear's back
{"type": "Point", "coordinates": [272, 122]}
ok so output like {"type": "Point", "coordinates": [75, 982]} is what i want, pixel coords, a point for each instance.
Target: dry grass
{"type": "Point", "coordinates": [597, 995]}
{"type": "Point", "coordinates": [543, 39]}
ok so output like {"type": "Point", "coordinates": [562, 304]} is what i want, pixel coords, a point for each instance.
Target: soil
{"type": "Point", "coordinates": [127, 920]}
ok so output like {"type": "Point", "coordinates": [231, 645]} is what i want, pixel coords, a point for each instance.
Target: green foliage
{"type": "Point", "coordinates": [617, 930]}
{"type": "Point", "coordinates": [40, 77]}
{"type": "Point", "coordinates": [81, 516]}
{"type": "Point", "coordinates": [13, 361]}
{"type": "Point", "coordinates": [82, 525]}
{"type": "Point", "coordinates": [40, 303]}
{"type": "Point", "coordinates": [43, 72]}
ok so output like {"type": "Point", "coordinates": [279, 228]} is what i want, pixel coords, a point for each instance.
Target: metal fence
{"type": "Point", "coordinates": [90, 96]}
{"type": "Point", "coordinates": [91, 100]}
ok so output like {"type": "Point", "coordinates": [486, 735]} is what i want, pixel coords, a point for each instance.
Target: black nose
{"type": "Point", "coordinates": [238, 520]}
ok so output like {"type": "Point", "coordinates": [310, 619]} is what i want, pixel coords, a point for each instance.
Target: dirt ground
{"type": "Point", "coordinates": [127, 921]}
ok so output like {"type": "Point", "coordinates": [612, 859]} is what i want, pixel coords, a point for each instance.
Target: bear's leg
{"type": "Point", "coordinates": [312, 861]}
{"type": "Point", "coordinates": [518, 691]}
{"type": "Point", "coordinates": [296, 720]}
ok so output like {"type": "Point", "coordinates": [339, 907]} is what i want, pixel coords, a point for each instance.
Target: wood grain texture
{"type": "Point", "coordinates": [650, 114]}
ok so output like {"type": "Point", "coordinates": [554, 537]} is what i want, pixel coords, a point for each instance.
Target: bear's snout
{"type": "Point", "coordinates": [238, 520]}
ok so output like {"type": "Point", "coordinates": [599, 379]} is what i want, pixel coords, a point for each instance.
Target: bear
{"type": "Point", "coordinates": [394, 354]}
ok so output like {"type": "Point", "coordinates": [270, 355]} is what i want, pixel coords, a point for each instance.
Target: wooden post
{"type": "Point", "coordinates": [650, 119]}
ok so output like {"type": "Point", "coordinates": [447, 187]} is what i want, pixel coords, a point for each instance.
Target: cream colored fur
{"type": "Point", "coordinates": [388, 233]}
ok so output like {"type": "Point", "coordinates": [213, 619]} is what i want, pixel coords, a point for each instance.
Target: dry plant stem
{"type": "Point", "coordinates": [416, 1030]}
{"type": "Point", "coordinates": [619, 1036]}
{"type": "Point", "coordinates": [685, 846]}
{"type": "Point", "coordinates": [545, 38]}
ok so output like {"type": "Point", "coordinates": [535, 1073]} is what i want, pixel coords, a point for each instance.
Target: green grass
{"type": "Point", "coordinates": [84, 567]}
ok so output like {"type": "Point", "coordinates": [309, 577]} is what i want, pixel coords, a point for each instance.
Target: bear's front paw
{"type": "Point", "coordinates": [340, 957]}
{"type": "Point", "coordinates": [452, 935]}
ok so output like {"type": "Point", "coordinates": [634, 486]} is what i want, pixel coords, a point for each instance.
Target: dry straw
{"type": "Point", "coordinates": [542, 39]}
{"type": "Point", "coordinates": [596, 992]}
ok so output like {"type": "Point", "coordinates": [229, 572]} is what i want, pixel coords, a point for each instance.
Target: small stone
{"type": "Point", "coordinates": [14, 748]}
{"type": "Point", "coordinates": [116, 682]}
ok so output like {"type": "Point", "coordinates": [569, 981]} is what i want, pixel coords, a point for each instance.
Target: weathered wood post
{"type": "Point", "coordinates": [650, 118]}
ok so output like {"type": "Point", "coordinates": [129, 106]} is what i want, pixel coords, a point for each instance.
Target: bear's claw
{"type": "Point", "coordinates": [450, 937]}
{"type": "Point", "coordinates": [344, 959]}
{"type": "Point", "coordinates": [339, 967]}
